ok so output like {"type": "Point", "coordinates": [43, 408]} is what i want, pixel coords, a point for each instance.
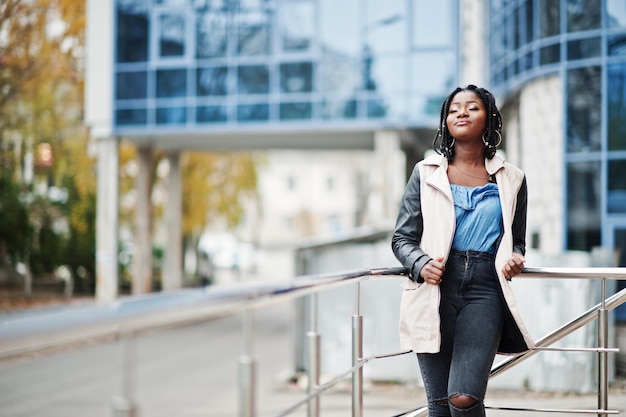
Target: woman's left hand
{"type": "Point", "coordinates": [513, 266]}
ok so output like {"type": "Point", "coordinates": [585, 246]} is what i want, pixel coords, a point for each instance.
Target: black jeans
{"type": "Point", "coordinates": [472, 318]}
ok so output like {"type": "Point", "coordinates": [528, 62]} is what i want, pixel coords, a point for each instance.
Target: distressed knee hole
{"type": "Point", "coordinates": [462, 401]}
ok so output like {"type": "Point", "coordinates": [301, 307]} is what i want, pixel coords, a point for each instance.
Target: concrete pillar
{"type": "Point", "coordinates": [389, 179]}
{"type": "Point", "coordinates": [172, 276]}
{"type": "Point", "coordinates": [107, 219]}
{"type": "Point", "coordinates": [142, 254]}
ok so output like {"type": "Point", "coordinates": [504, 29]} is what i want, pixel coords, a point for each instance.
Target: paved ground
{"type": "Point", "coordinates": [192, 371]}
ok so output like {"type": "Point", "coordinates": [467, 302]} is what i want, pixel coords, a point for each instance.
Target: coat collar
{"type": "Point", "coordinates": [492, 165]}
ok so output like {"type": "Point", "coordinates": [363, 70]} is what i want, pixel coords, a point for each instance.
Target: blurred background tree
{"type": "Point", "coordinates": [47, 171]}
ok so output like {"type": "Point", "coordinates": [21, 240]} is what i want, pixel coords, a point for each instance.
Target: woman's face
{"type": "Point", "coordinates": [467, 116]}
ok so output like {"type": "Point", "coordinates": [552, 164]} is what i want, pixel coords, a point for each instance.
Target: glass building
{"type": "Point", "coordinates": [584, 44]}
{"type": "Point", "coordinates": [216, 65]}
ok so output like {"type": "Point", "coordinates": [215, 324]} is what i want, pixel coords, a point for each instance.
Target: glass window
{"type": "Point", "coordinates": [616, 198]}
{"type": "Point", "coordinates": [498, 48]}
{"type": "Point", "coordinates": [583, 15]}
{"type": "Point", "coordinates": [253, 79]}
{"type": "Point", "coordinates": [131, 117]}
{"type": "Point", "coordinates": [584, 48]}
{"type": "Point", "coordinates": [616, 13]}
{"type": "Point", "coordinates": [549, 18]}
{"type": "Point", "coordinates": [376, 108]}
{"type": "Point", "coordinates": [171, 115]}
{"type": "Point", "coordinates": [616, 45]}
{"type": "Point", "coordinates": [253, 112]}
{"type": "Point", "coordinates": [432, 23]}
{"type": "Point", "coordinates": [211, 34]}
{"type": "Point", "coordinates": [211, 114]}
{"type": "Point", "coordinates": [339, 109]}
{"type": "Point", "coordinates": [340, 28]}
{"type": "Point", "coordinates": [132, 32]}
{"type": "Point", "coordinates": [550, 54]}
{"type": "Point", "coordinates": [171, 83]}
{"type": "Point", "coordinates": [296, 111]}
{"type": "Point", "coordinates": [253, 33]}
{"type": "Point", "coordinates": [171, 35]}
{"type": "Point", "coordinates": [385, 28]}
{"type": "Point", "coordinates": [297, 26]}
{"type": "Point", "coordinates": [211, 81]}
{"type": "Point", "coordinates": [583, 199]}
{"type": "Point", "coordinates": [339, 74]}
{"type": "Point", "coordinates": [616, 106]}
{"type": "Point", "coordinates": [433, 72]}
{"type": "Point", "coordinates": [131, 85]}
{"type": "Point", "coordinates": [583, 109]}
{"type": "Point", "coordinates": [387, 74]}
{"type": "Point", "coordinates": [529, 22]}
{"type": "Point", "coordinates": [296, 77]}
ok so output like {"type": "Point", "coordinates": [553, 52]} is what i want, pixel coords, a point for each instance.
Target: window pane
{"type": "Point", "coordinates": [295, 111]}
{"type": "Point", "coordinates": [550, 54]}
{"type": "Point", "coordinates": [616, 199]}
{"type": "Point", "coordinates": [616, 95]}
{"type": "Point", "coordinates": [616, 45]}
{"type": "Point", "coordinates": [583, 109]}
{"type": "Point", "coordinates": [549, 18]}
{"type": "Point", "coordinates": [211, 114]}
{"type": "Point", "coordinates": [211, 81]}
{"type": "Point", "coordinates": [296, 77]}
{"type": "Point", "coordinates": [584, 48]}
{"type": "Point", "coordinates": [171, 35]}
{"type": "Point", "coordinates": [339, 74]}
{"type": "Point", "coordinates": [253, 79]}
{"type": "Point", "coordinates": [616, 13]}
{"type": "Point", "coordinates": [340, 28]}
{"type": "Point", "coordinates": [131, 117]}
{"type": "Point", "coordinates": [253, 33]}
{"type": "Point", "coordinates": [432, 23]}
{"type": "Point", "coordinates": [211, 35]}
{"type": "Point", "coordinates": [171, 115]}
{"type": "Point", "coordinates": [253, 112]}
{"type": "Point", "coordinates": [583, 198]}
{"type": "Point", "coordinates": [132, 33]}
{"type": "Point", "coordinates": [297, 26]}
{"type": "Point", "coordinates": [385, 28]}
{"type": "Point", "coordinates": [388, 74]}
{"type": "Point", "coordinates": [171, 83]}
{"type": "Point", "coordinates": [339, 109]}
{"type": "Point", "coordinates": [131, 85]}
{"type": "Point", "coordinates": [583, 15]}
{"type": "Point", "coordinates": [433, 73]}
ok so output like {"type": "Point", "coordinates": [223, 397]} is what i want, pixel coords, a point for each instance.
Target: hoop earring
{"type": "Point", "coordinates": [499, 138]}
{"type": "Point", "coordinates": [486, 141]}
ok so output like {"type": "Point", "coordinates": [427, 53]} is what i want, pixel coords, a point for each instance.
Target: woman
{"type": "Point", "coordinates": [461, 235]}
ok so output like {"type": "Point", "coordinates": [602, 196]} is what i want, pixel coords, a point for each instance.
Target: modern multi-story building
{"type": "Point", "coordinates": [560, 68]}
{"type": "Point", "coordinates": [178, 75]}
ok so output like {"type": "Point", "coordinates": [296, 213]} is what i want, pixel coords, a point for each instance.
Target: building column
{"type": "Point", "coordinates": [142, 253]}
{"type": "Point", "coordinates": [107, 210]}
{"type": "Point", "coordinates": [172, 275]}
{"type": "Point", "coordinates": [389, 180]}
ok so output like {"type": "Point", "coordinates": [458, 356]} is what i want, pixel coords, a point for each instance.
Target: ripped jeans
{"type": "Point", "coordinates": [472, 318]}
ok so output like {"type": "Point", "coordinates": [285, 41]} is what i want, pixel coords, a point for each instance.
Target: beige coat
{"type": "Point", "coordinates": [428, 205]}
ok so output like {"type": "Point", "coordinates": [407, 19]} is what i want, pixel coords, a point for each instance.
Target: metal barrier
{"type": "Point", "coordinates": [127, 318]}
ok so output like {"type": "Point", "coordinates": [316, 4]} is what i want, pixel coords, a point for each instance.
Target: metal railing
{"type": "Point", "coordinates": [130, 317]}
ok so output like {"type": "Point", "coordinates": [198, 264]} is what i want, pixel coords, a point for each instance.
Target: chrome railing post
{"type": "Point", "coordinates": [357, 355]}
{"type": "Point", "coordinates": [314, 360]}
{"type": "Point", "coordinates": [603, 368]}
{"type": "Point", "coordinates": [247, 370]}
{"type": "Point", "coordinates": [124, 405]}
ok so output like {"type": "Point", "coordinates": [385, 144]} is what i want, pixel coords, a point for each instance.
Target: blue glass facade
{"type": "Point", "coordinates": [583, 42]}
{"type": "Point", "coordinates": [206, 65]}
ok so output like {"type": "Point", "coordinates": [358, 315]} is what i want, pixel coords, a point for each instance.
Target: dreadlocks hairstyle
{"type": "Point", "coordinates": [492, 137]}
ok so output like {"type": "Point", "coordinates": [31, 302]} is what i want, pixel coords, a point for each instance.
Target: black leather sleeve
{"type": "Point", "coordinates": [407, 235]}
{"type": "Point", "coordinates": [519, 220]}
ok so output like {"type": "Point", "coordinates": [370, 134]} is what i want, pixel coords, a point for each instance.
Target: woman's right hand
{"type": "Point", "coordinates": [433, 271]}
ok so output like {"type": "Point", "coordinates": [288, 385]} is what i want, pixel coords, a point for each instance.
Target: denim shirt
{"type": "Point", "coordinates": [478, 217]}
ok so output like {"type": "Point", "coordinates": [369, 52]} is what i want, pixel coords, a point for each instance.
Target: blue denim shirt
{"type": "Point", "coordinates": [478, 217]}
